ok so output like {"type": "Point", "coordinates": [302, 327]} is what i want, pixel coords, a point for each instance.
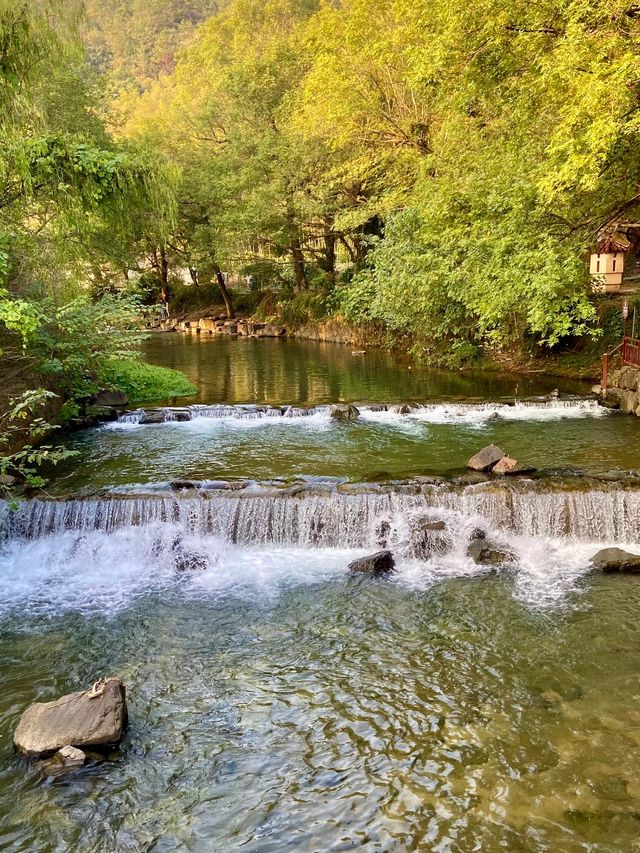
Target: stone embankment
{"type": "Point", "coordinates": [623, 390]}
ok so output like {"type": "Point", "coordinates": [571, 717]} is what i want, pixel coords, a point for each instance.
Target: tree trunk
{"type": "Point", "coordinates": [297, 257]}
{"type": "Point", "coordinates": [329, 261]}
{"type": "Point", "coordinates": [223, 290]}
{"type": "Point", "coordinates": [164, 274]}
{"type": "Point", "coordinates": [194, 276]}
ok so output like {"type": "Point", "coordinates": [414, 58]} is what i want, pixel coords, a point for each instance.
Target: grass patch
{"type": "Point", "coordinates": [144, 382]}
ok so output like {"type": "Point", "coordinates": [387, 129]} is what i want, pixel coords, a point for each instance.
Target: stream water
{"type": "Point", "coordinates": [438, 438]}
{"type": "Point", "coordinates": [278, 703]}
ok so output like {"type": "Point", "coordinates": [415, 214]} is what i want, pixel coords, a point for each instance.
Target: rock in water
{"type": "Point", "coordinates": [486, 458]}
{"type": "Point", "coordinates": [183, 485]}
{"type": "Point", "coordinates": [507, 465]}
{"type": "Point", "coordinates": [484, 552]}
{"type": "Point", "coordinates": [344, 411]}
{"type": "Point", "coordinates": [94, 717]}
{"type": "Point", "coordinates": [67, 758]}
{"type": "Point", "coordinates": [610, 560]}
{"type": "Point", "coordinates": [376, 564]}
{"type": "Point", "coordinates": [429, 537]}
{"type": "Point", "coordinates": [153, 416]}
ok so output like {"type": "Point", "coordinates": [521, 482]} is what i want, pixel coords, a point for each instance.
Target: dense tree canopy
{"type": "Point", "coordinates": [458, 160]}
{"type": "Point", "coordinates": [439, 170]}
{"type": "Point", "coordinates": [74, 207]}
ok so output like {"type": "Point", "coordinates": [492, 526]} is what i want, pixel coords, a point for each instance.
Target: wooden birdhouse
{"type": "Point", "coordinates": [607, 264]}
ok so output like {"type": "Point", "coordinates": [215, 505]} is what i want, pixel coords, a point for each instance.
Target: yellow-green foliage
{"type": "Point", "coordinates": [462, 158]}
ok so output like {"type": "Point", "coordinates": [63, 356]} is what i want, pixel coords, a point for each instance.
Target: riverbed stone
{"type": "Point", "coordinates": [380, 563]}
{"type": "Point", "coordinates": [486, 458]}
{"type": "Point", "coordinates": [484, 552]}
{"type": "Point", "coordinates": [510, 466]}
{"type": "Point", "coordinates": [186, 560]}
{"type": "Point", "coordinates": [183, 485]}
{"type": "Point", "coordinates": [95, 717]}
{"type": "Point", "coordinates": [344, 411]}
{"type": "Point", "coordinates": [610, 560]}
{"type": "Point", "coordinates": [611, 398]}
{"type": "Point", "coordinates": [178, 414]}
{"type": "Point", "coordinates": [65, 759]}
{"type": "Point", "coordinates": [429, 537]}
{"type": "Point", "coordinates": [472, 478]}
{"type": "Point", "coordinates": [152, 416]}
{"type": "Point", "coordinates": [71, 756]}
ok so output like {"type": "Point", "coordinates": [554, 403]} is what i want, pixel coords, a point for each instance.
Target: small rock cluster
{"type": "Point", "coordinates": [429, 537]}
{"type": "Point", "coordinates": [493, 459]}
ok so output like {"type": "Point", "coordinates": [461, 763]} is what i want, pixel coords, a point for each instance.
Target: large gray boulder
{"type": "Point", "coordinates": [610, 560]}
{"type": "Point", "coordinates": [94, 717]}
{"type": "Point", "coordinates": [486, 458]}
{"type": "Point", "coordinates": [379, 563]}
{"type": "Point", "coordinates": [344, 411]}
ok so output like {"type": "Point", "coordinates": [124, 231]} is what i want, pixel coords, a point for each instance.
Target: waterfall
{"type": "Point", "coordinates": [328, 517]}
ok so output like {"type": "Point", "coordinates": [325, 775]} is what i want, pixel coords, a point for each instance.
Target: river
{"type": "Point", "coordinates": [278, 703]}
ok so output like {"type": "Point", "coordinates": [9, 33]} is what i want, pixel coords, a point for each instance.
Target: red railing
{"type": "Point", "coordinates": [631, 351]}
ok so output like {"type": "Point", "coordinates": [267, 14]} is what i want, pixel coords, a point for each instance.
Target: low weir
{"type": "Point", "coordinates": [445, 410]}
{"type": "Point", "coordinates": [349, 516]}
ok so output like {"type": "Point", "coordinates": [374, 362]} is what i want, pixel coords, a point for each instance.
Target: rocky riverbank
{"type": "Point", "coordinates": [220, 325]}
{"type": "Point", "coordinates": [331, 331]}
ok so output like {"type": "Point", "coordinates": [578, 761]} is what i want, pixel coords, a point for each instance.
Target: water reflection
{"type": "Point", "coordinates": [306, 372]}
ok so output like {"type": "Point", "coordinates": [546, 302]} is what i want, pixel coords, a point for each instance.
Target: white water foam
{"type": "Point", "coordinates": [212, 418]}
{"type": "Point", "coordinates": [96, 572]}
{"type": "Point", "coordinates": [479, 415]}
{"type": "Point", "coordinates": [202, 421]}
